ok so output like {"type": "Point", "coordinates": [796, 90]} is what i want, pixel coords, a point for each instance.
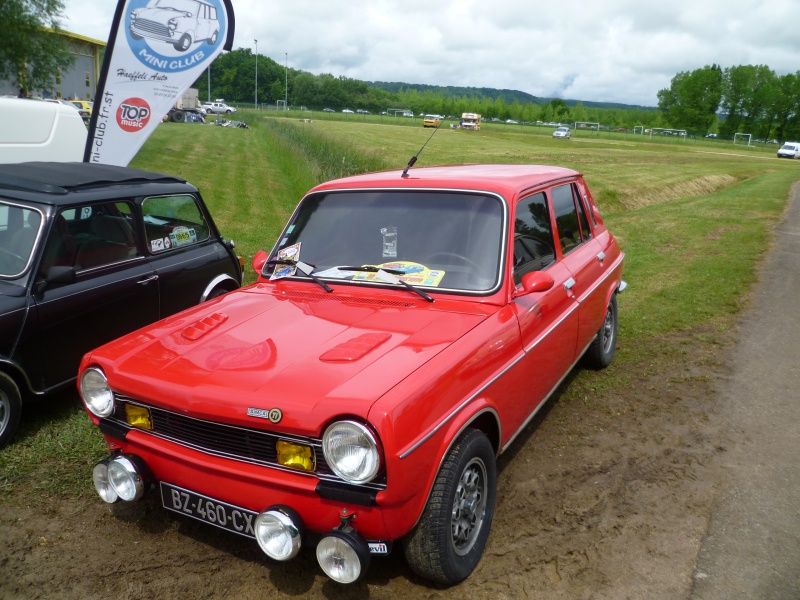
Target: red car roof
{"type": "Point", "coordinates": [506, 180]}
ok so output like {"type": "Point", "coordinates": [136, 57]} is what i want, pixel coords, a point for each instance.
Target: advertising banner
{"type": "Point", "coordinates": [156, 50]}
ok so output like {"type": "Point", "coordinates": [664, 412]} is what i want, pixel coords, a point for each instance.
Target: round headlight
{"type": "Point", "coordinates": [96, 393]}
{"type": "Point", "coordinates": [343, 556]}
{"type": "Point", "coordinates": [278, 535]}
{"type": "Point", "coordinates": [125, 479]}
{"type": "Point", "coordinates": [351, 451]}
{"type": "Point", "coordinates": [101, 483]}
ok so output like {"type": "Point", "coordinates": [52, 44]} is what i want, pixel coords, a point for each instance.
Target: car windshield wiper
{"type": "Point", "coordinates": [304, 268]}
{"type": "Point", "coordinates": [388, 276]}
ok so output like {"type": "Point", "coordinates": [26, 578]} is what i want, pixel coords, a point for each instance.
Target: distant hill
{"type": "Point", "coordinates": [508, 96]}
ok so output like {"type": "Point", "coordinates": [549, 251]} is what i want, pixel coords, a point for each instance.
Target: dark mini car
{"type": "Point", "coordinates": [88, 253]}
{"type": "Point", "coordinates": [404, 330]}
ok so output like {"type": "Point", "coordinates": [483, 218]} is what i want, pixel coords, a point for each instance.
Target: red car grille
{"type": "Point", "coordinates": [228, 441]}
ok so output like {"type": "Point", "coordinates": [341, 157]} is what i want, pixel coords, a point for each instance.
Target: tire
{"type": "Point", "coordinates": [10, 408]}
{"type": "Point", "coordinates": [213, 39]}
{"type": "Point", "coordinates": [178, 116]}
{"type": "Point", "coordinates": [448, 541]}
{"type": "Point", "coordinates": [601, 351]}
{"type": "Point", "coordinates": [182, 45]}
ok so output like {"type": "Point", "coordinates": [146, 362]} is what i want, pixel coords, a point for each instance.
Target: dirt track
{"type": "Point", "coordinates": [609, 493]}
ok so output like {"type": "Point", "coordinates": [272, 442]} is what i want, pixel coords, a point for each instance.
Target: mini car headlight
{"type": "Point", "coordinates": [101, 483]}
{"type": "Point", "coordinates": [351, 451]}
{"type": "Point", "coordinates": [96, 393]}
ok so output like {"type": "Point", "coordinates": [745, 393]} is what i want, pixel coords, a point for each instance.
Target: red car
{"type": "Point", "coordinates": [403, 331]}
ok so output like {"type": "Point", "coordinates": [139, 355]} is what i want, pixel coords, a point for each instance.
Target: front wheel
{"type": "Point", "coordinates": [601, 351]}
{"type": "Point", "coordinates": [448, 542]}
{"type": "Point", "coordinates": [182, 45]}
{"type": "Point", "coordinates": [10, 408]}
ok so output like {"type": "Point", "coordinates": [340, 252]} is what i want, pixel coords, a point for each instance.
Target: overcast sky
{"type": "Point", "coordinates": [600, 50]}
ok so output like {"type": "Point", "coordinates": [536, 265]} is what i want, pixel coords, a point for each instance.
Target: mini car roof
{"type": "Point", "coordinates": [62, 178]}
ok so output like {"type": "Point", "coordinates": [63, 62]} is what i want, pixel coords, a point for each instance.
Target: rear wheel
{"type": "Point", "coordinates": [10, 408]}
{"type": "Point", "coordinates": [601, 351]}
{"type": "Point", "coordinates": [448, 542]}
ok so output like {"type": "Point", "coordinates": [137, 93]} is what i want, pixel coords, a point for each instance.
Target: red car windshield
{"type": "Point", "coordinates": [448, 241]}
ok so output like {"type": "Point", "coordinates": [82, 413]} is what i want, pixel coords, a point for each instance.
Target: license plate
{"type": "Point", "coordinates": [214, 512]}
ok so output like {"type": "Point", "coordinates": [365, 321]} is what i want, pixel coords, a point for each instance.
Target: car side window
{"type": "Point", "coordinates": [571, 222]}
{"type": "Point", "coordinates": [533, 236]}
{"type": "Point", "coordinates": [91, 236]}
{"type": "Point", "coordinates": [172, 222]}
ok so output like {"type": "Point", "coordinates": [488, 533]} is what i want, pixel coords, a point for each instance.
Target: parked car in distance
{"type": "Point", "coordinates": [562, 132]}
{"type": "Point", "coordinates": [431, 121]}
{"type": "Point", "coordinates": [85, 114]}
{"type": "Point", "coordinates": [84, 105]}
{"type": "Point", "coordinates": [328, 110]}
{"type": "Point", "coordinates": [789, 150]}
{"type": "Point", "coordinates": [89, 252]}
{"type": "Point", "coordinates": [347, 111]}
{"type": "Point", "coordinates": [358, 394]}
{"type": "Point", "coordinates": [218, 108]}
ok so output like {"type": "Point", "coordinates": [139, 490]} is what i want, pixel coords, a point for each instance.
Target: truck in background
{"type": "Point", "coordinates": [471, 121]}
{"type": "Point", "coordinates": [188, 104]}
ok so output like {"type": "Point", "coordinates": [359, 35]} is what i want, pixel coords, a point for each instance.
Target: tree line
{"type": "Point", "coordinates": [742, 99]}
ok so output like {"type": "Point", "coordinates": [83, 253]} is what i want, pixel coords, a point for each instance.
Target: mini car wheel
{"type": "Point", "coordinates": [10, 408]}
{"type": "Point", "coordinates": [213, 39]}
{"type": "Point", "coordinates": [183, 43]}
{"type": "Point", "coordinates": [449, 539]}
{"type": "Point", "coordinates": [601, 350]}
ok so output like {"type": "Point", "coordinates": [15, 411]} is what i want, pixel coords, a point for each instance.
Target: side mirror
{"type": "Point", "coordinates": [535, 281]}
{"type": "Point", "coordinates": [57, 275]}
{"type": "Point", "coordinates": [259, 260]}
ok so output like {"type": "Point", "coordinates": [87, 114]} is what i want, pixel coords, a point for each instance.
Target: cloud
{"type": "Point", "coordinates": [615, 50]}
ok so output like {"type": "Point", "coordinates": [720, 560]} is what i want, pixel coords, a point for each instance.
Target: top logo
{"type": "Point", "coordinates": [174, 35]}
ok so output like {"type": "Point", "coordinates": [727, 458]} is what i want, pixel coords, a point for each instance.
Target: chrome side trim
{"type": "Point", "coordinates": [608, 274]}
{"type": "Point", "coordinates": [214, 283]}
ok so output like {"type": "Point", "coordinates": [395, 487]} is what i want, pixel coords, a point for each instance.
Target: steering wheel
{"type": "Point", "coordinates": [470, 263]}
{"type": "Point", "coordinates": [13, 255]}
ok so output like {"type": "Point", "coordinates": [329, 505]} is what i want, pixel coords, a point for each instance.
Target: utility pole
{"type": "Point", "coordinates": [256, 41]}
{"type": "Point", "coordinates": [286, 87]}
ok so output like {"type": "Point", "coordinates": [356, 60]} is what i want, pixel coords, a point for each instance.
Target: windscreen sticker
{"type": "Point", "coordinates": [289, 253]}
{"type": "Point", "coordinates": [415, 273]}
{"type": "Point", "coordinates": [180, 236]}
{"type": "Point", "coordinates": [389, 242]}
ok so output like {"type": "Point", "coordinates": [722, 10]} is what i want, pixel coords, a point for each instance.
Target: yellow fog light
{"type": "Point", "coordinates": [295, 456]}
{"type": "Point", "coordinates": [138, 416]}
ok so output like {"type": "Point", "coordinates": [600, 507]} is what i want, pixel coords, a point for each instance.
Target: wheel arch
{"type": "Point", "coordinates": [222, 281]}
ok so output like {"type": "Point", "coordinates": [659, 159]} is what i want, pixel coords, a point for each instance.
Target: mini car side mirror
{"type": "Point", "coordinates": [58, 275]}
{"type": "Point", "coordinates": [535, 281]}
{"type": "Point", "coordinates": [259, 260]}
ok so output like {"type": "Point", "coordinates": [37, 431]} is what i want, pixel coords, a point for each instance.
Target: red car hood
{"type": "Point", "coordinates": [314, 356]}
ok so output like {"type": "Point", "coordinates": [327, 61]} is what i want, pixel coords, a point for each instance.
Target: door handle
{"type": "Point", "coordinates": [148, 280]}
{"type": "Point", "coordinates": [569, 284]}
{"type": "Point", "coordinates": [601, 256]}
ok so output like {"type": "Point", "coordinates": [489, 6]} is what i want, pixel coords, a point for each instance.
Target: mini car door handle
{"type": "Point", "coordinates": [148, 280]}
{"type": "Point", "coordinates": [569, 284]}
{"type": "Point", "coordinates": [601, 256]}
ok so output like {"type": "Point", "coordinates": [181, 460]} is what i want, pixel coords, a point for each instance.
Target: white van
{"type": "Point", "coordinates": [789, 150]}
{"type": "Point", "coordinates": [36, 130]}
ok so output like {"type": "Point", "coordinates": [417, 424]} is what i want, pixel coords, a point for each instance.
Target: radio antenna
{"type": "Point", "coordinates": [414, 158]}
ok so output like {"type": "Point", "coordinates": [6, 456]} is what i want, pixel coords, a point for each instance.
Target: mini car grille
{"type": "Point", "coordinates": [228, 441]}
{"type": "Point", "coordinates": [152, 27]}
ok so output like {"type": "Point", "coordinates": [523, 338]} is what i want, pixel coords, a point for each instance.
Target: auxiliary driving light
{"type": "Point", "coordinates": [279, 531]}
{"type": "Point", "coordinates": [102, 484]}
{"type": "Point", "coordinates": [343, 554]}
{"type": "Point", "coordinates": [126, 478]}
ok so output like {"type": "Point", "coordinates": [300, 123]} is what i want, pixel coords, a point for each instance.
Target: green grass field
{"type": "Point", "coordinates": [693, 216]}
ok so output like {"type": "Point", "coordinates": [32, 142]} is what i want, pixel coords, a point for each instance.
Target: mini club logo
{"type": "Point", "coordinates": [133, 114]}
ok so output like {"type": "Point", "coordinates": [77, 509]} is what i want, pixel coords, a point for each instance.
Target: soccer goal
{"type": "Point", "coordinates": [742, 136]}
{"type": "Point", "coordinates": [638, 129]}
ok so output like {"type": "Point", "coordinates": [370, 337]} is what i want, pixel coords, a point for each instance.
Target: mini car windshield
{"type": "Point", "coordinates": [19, 227]}
{"type": "Point", "coordinates": [447, 241]}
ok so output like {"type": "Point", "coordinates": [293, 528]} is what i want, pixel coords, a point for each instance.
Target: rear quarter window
{"type": "Point", "coordinates": [172, 222]}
